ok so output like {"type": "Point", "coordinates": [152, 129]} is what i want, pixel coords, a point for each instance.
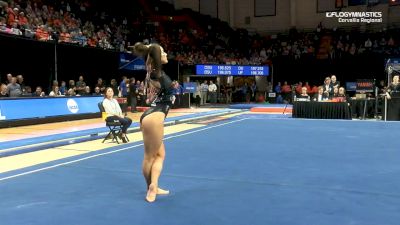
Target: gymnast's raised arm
{"type": "Point", "coordinates": [155, 58]}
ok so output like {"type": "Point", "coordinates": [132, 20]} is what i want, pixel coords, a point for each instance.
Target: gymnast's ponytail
{"type": "Point", "coordinates": [140, 49]}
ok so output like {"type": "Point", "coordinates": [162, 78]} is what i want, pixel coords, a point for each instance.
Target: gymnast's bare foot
{"type": "Point", "coordinates": [151, 193]}
{"type": "Point", "coordinates": [162, 191]}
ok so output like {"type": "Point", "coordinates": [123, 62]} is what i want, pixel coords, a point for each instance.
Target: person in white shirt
{"type": "Point", "coordinates": [114, 112]}
{"type": "Point", "coordinates": [212, 91]}
{"type": "Point", "coordinates": [55, 92]}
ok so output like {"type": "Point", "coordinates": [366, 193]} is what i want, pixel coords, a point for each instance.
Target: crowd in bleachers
{"type": "Point", "coordinates": [65, 21]}
{"type": "Point", "coordinates": [75, 22]}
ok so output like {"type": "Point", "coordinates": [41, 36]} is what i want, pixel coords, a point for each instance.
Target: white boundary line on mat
{"type": "Point", "coordinates": [114, 151]}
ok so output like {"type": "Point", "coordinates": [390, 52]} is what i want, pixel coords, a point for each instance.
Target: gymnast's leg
{"type": "Point", "coordinates": [154, 152]}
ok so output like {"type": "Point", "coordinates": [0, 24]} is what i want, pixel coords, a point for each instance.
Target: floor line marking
{"type": "Point", "coordinates": [111, 152]}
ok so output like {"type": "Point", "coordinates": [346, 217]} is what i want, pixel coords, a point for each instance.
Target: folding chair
{"type": "Point", "coordinates": [114, 126]}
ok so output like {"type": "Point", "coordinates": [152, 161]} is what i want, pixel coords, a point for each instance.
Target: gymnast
{"type": "Point", "coordinates": [159, 96]}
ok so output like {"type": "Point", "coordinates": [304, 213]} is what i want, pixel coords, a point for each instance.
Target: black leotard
{"type": "Point", "coordinates": [158, 82]}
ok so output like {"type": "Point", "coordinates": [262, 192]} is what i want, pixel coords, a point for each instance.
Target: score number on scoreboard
{"type": "Point", "coordinates": [226, 70]}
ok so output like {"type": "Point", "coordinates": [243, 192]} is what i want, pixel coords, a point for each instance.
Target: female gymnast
{"type": "Point", "coordinates": [160, 97]}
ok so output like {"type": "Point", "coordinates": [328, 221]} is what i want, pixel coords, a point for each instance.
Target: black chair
{"type": "Point", "coordinates": [114, 126]}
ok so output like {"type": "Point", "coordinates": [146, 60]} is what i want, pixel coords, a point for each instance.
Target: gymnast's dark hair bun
{"type": "Point", "coordinates": [140, 49]}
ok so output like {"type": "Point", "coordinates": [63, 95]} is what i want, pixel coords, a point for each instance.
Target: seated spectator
{"type": "Point", "coordinates": [39, 92]}
{"type": "Point", "coordinates": [303, 96]}
{"type": "Point", "coordinates": [320, 96]}
{"type": "Point", "coordinates": [12, 14]}
{"type": "Point", "coordinates": [22, 20]}
{"type": "Point", "coordinates": [14, 89]}
{"type": "Point", "coordinates": [42, 34]}
{"type": "Point", "coordinates": [97, 92]}
{"type": "Point", "coordinates": [114, 86]}
{"type": "Point", "coordinates": [15, 30]}
{"type": "Point", "coordinates": [3, 8]}
{"type": "Point", "coordinates": [80, 39]}
{"type": "Point", "coordinates": [92, 41]}
{"type": "Point", "coordinates": [286, 90]}
{"type": "Point", "coordinates": [27, 92]}
{"type": "Point", "coordinates": [3, 91]}
{"type": "Point", "coordinates": [63, 88]}
{"type": "Point", "coordinates": [314, 90]}
{"type": "Point", "coordinates": [3, 25]}
{"type": "Point", "coordinates": [87, 91]}
{"type": "Point", "coordinates": [29, 31]}
{"type": "Point", "coordinates": [64, 36]}
{"type": "Point", "coordinates": [71, 92]}
{"type": "Point", "coordinates": [308, 87]}
{"type": "Point", "coordinates": [55, 92]}
{"type": "Point", "coordinates": [341, 95]}
{"type": "Point", "coordinates": [101, 85]}
{"type": "Point", "coordinates": [114, 112]}
{"type": "Point", "coordinates": [335, 91]}
{"type": "Point", "coordinates": [71, 84]}
{"type": "Point", "coordinates": [299, 88]}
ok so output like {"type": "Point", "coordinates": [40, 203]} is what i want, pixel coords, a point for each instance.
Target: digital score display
{"type": "Point", "coordinates": [227, 70]}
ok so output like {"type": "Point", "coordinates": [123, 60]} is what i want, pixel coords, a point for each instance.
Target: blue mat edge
{"type": "Point", "coordinates": [95, 131]}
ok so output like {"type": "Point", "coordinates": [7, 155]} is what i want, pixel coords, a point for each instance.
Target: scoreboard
{"type": "Point", "coordinates": [228, 70]}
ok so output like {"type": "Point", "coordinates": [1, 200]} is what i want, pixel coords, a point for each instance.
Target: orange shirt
{"type": "Point", "coordinates": [308, 88]}
{"type": "Point", "coordinates": [65, 37]}
{"type": "Point", "coordinates": [298, 89]}
{"type": "Point", "coordinates": [42, 35]}
{"type": "Point", "coordinates": [57, 23]}
{"type": "Point", "coordinates": [92, 42]}
{"type": "Point", "coordinates": [11, 16]}
{"type": "Point", "coordinates": [286, 89]}
{"type": "Point", "coordinates": [22, 20]}
{"type": "Point", "coordinates": [314, 90]}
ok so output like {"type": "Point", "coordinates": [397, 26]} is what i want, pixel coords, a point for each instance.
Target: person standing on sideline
{"type": "Point", "coordinates": [123, 88]}
{"type": "Point", "coordinates": [133, 92]}
{"type": "Point", "coordinates": [204, 91]}
{"type": "Point", "coordinates": [212, 91]}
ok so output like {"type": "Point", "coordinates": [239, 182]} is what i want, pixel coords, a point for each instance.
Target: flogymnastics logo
{"type": "Point", "coordinates": [356, 17]}
{"type": "Point", "coordinates": [72, 106]}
